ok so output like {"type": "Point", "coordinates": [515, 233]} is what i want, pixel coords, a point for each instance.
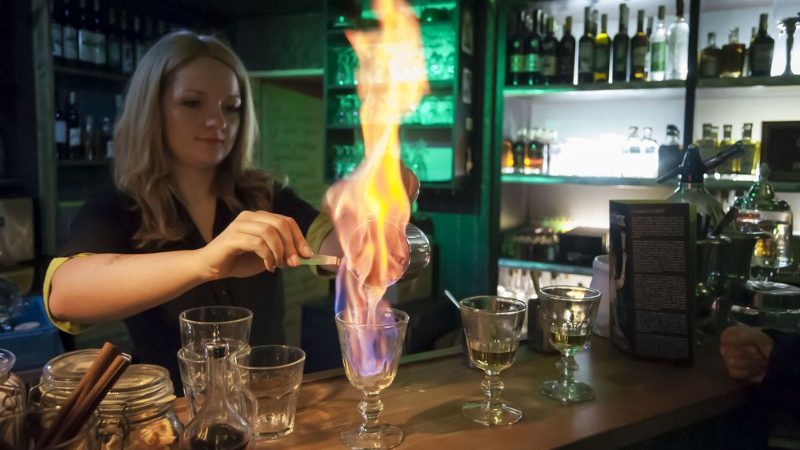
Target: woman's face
{"type": "Point", "coordinates": [202, 112]}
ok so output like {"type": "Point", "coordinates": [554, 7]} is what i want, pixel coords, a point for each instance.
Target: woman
{"type": "Point", "coordinates": [187, 224]}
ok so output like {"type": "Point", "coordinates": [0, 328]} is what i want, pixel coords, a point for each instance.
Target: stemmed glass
{"type": "Point", "coordinates": [492, 326]}
{"type": "Point", "coordinates": [568, 313]}
{"type": "Point", "coordinates": [371, 353]}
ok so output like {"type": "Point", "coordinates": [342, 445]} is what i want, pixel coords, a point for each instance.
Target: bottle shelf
{"type": "Point", "coordinates": [409, 127]}
{"type": "Point", "coordinates": [84, 163]}
{"type": "Point", "coordinates": [733, 182]}
{"type": "Point", "coordinates": [543, 266]}
{"type": "Point", "coordinates": [90, 74]}
{"type": "Point", "coordinates": [607, 88]}
{"type": "Point", "coordinates": [791, 80]}
{"type": "Point", "coordinates": [435, 85]}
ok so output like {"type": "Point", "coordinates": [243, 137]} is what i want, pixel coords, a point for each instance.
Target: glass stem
{"type": "Point", "coordinates": [492, 388]}
{"type": "Point", "coordinates": [568, 367]}
{"type": "Point", "coordinates": [370, 408]}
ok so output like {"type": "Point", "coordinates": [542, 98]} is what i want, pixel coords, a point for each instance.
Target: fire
{"type": "Point", "coordinates": [370, 210]}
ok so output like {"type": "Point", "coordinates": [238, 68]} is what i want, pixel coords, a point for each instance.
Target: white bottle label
{"type": "Point", "coordinates": [56, 32]}
{"type": "Point", "coordinates": [74, 137]}
{"type": "Point", "coordinates": [585, 58]}
{"type": "Point", "coordinates": [61, 132]}
{"type": "Point", "coordinates": [70, 43]}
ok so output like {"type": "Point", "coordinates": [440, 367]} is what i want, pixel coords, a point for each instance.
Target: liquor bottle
{"type": "Point", "coordinates": [532, 48]}
{"type": "Point", "coordinates": [760, 53]}
{"type": "Point", "coordinates": [732, 56]}
{"type": "Point", "coordinates": [534, 155]}
{"type": "Point", "coordinates": [507, 157]}
{"type": "Point", "coordinates": [649, 31]}
{"type": "Point", "coordinates": [516, 56]}
{"type": "Point", "coordinates": [89, 139]}
{"type": "Point", "coordinates": [566, 54]}
{"type": "Point", "coordinates": [639, 48]}
{"type": "Point", "coordinates": [85, 35]}
{"type": "Point", "coordinates": [99, 28]}
{"type": "Point", "coordinates": [602, 52]}
{"type": "Point", "coordinates": [70, 33]}
{"type": "Point", "coordinates": [733, 165]}
{"type": "Point", "coordinates": [520, 147]}
{"type": "Point", "coordinates": [61, 132]}
{"type": "Point", "coordinates": [56, 29]}
{"type": "Point", "coordinates": [658, 48]}
{"type": "Point", "coordinates": [707, 145]}
{"type": "Point", "coordinates": [586, 50]}
{"type": "Point", "coordinates": [678, 46]}
{"type": "Point", "coordinates": [548, 53]}
{"type": "Point", "coordinates": [138, 39]}
{"type": "Point", "coordinates": [107, 139]}
{"type": "Point", "coordinates": [621, 44]}
{"type": "Point", "coordinates": [669, 153]}
{"type": "Point", "coordinates": [751, 158]}
{"type": "Point", "coordinates": [74, 141]}
{"type": "Point", "coordinates": [128, 55]}
{"type": "Point", "coordinates": [649, 149]}
{"type": "Point", "coordinates": [113, 43]}
{"type": "Point", "coordinates": [631, 153]}
{"type": "Point", "coordinates": [710, 58]}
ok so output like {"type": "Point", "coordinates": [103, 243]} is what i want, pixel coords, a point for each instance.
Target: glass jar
{"type": "Point", "coordinates": [136, 414]}
{"type": "Point", "coordinates": [12, 388]}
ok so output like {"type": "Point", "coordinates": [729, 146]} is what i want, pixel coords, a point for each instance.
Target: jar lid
{"type": "Point", "coordinates": [140, 387]}
{"type": "Point", "coordinates": [772, 295]}
{"type": "Point", "coordinates": [7, 360]}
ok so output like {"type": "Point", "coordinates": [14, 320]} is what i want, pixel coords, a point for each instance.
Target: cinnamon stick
{"type": "Point", "coordinates": [100, 363]}
{"type": "Point", "coordinates": [89, 403]}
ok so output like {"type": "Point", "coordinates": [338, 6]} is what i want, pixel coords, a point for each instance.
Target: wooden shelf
{"type": "Point", "coordinates": [793, 80]}
{"type": "Point", "coordinates": [526, 91]}
{"type": "Point", "coordinates": [543, 266]}
{"type": "Point", "coordinates": [90, 74]}
{"type": "Point", "coordinates": [738, 182]}
{"type": "Point", "coordinates": [85, 163]}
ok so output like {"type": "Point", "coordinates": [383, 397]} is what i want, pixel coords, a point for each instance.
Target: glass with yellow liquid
{"type": "Point", "coordinates": [492, 327]}
{"type": "Point", "coordinates": [569, 313]}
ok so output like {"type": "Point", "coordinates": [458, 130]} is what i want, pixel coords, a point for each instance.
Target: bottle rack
{"type": "Point", "coordinates": [436, 138]}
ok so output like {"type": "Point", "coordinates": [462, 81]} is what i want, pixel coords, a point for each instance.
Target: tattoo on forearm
{"type": "Point", "coordinates": [115, 259]}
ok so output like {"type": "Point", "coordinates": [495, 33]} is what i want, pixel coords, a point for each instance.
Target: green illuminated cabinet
{"type": "Point", "coordinates": [437, 138]}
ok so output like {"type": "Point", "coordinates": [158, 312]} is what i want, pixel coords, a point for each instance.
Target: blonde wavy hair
{"type": "Point", "coordinates": [141, 156]}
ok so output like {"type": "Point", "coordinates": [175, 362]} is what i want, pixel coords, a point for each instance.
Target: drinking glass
{"type": "Point", "coordinates": [568, 313]}
{"type": "Point", "coordinates": [371, 353]}
{"type": "Point", "coordinates": [271, 374]}
{"type": "Point", "coordinates": [210, 323]}
{"type": "Point", "coordinates": [492, 326]}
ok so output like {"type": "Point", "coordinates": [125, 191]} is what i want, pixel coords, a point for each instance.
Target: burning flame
{"type": "Point", "coordinates": [370, 210]}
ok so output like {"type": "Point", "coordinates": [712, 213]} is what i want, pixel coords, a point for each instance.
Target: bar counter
{"type": "Point", "coordinates": [635, 401]}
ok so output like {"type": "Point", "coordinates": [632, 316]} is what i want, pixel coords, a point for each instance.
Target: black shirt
{"type": "Point", "coordinates": [107, 224]}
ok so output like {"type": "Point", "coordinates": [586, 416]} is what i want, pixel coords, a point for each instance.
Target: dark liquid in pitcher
{"type": "Point", "coordinates": [219, 437]}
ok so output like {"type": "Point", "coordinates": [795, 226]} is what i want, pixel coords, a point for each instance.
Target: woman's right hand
{"type": "Point", "coordinates": [254, 241]}
{"type": "Point", "coordinates": [745, 352]}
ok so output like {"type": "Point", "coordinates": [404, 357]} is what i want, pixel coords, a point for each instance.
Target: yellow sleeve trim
{"type": "Point", "coordinates": [63, 325]}
{"type": "Point", "coordinates": [320, 227]}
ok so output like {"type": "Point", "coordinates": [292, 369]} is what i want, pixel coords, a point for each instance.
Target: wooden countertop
{"type": "Point", "coordinates": [635, 401]}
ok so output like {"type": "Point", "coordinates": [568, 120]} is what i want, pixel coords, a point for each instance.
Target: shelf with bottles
{"type": "Point", "coordinates": [764, 54]}
{"type": "Point", "coordinates": [84, 129]}
{"type": "Point", "coordinates": [609, 91]}
{"type": "Point", "coordinates": [543, 266]}
{"type": "Point", "coordinates": [535, 56]}
{"type": "Point", "coordinates": [765, 81]}
{"type": "Point", "coordinates": [433, 111]}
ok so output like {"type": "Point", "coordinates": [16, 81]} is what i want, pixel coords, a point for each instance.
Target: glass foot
{"type": "Point", "coordinates": [387, 436]}
{"type": "Point", "coordinates": [477, 412]}
{"type": "Point", "coordinates": [574, 393]}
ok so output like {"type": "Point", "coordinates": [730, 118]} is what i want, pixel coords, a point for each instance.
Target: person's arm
{"type": "Point", "coordinates": [105, 287]}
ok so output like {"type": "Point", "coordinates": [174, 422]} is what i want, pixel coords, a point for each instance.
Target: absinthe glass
{"type": "Point", "coordinates": [371, 354]}
{"type": "Point", "coordinates": [568, 313]}
{"type": "Point", "coordinates": [492, 327]}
